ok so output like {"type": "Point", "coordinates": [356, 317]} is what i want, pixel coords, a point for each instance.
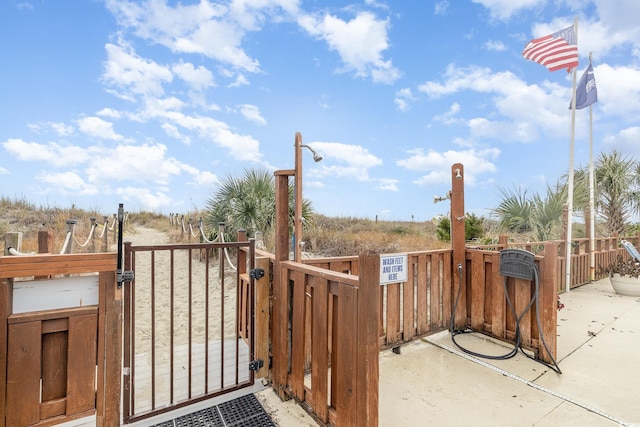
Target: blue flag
{"type": "Point", "coordinates": [586, 91]}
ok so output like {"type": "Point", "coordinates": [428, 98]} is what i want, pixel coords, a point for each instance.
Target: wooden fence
{"type": "Point", "coordinates": [333, 317]}
{"type": "Point", "coordinates": [48, 360]}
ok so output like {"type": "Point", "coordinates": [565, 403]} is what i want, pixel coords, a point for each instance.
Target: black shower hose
{"type": "Point", "coordinates": [518, 339]}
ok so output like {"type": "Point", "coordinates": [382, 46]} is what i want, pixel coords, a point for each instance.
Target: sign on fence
{"type": "Point", "coordinates": [393, 268]}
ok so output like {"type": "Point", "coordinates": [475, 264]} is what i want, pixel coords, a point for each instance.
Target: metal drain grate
{"type": "Point", "coordinates": [207, 417]}
{"type": "Point", "coordinates": [245, 411]}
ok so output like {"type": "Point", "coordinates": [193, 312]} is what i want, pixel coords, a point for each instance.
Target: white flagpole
{"type": "Point", "coordinates": [570, 183]}
{"type": "Point", "coordinates": [592, 213]}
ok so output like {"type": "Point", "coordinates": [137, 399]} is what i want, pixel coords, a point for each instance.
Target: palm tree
{"type": "Point", "coordinates": [514, 211]}
{"type": "Point", "coordinates": [249, 203]}
{"type": "Point", "coordinates": [539, 216]}
{"type": "Point", "coordinates": [617, 181]}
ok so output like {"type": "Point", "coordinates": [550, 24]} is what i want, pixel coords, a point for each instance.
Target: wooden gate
{"type": "Point", "coordinates": [188, 325]}
{"type": "Point", "coordinates": [60, 357]}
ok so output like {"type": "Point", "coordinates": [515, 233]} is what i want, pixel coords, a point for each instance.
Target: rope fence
{"type": "Point", "coordinates": [100, 232]}
{"type": "Point", "coordinates": [13, 240]}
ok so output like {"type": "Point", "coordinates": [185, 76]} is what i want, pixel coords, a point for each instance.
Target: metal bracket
{"type": "Point", "coordinates": [254, 365]}
{"type": "Point", "coordinates": [124, 276]}
{"type": "Point", "coordinates": [256, 273]}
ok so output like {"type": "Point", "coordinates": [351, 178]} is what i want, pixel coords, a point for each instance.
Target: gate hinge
{"type": "Point", "coordinates": [254, 365]}
{"type": "Point", "coordinates": [124, 276]}
{"type": "Point", "coordinates": [256, 273]}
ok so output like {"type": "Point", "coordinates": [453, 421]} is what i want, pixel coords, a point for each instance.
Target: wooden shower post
{"type": "Point", "coordinates": [280, 285]}
{"type": "Point", "coordinates": [458, 243]}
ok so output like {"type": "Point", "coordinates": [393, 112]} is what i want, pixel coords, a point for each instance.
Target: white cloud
{"type": "Point", "coordinates": [505, 9]}
{"type": "Point", "coordinates": [495, 45]}
{"type": "Point", "coordinates": [441, 8]}
{"type": "Point", "coordinates": [360, 43]}
{"type": "Point", "coordinates": [210, 29]}
{"type": "Point", "coordinates": [197, 78]}
{"type": "Point", "coordinates": [240, 147]}
{"type": "Point", "coordinates": [438, 165]}
{"type": "Point", "coordinates": [136, 163]}
{"type": "Point", "coordinates": [513, 119]}
{"type": "Point", "coordinates": [403, 99]}
{"type": "Point", "coordinates": [67, 183]}
{"type": "Point", "coordinates": [128, 74]}
{"type": "Point", "coordinates": [348, 160]}
{"type": "Point", "coordinates": [146, 199]}
{"type": "Point", "coordinates": [449, 118]}
{"type": "Point", "coordinates": [241, 80]}
{"type": "Point", "coordinates": [52, 153]}
{"type": "Point", "coordinates": [110, 112]}
{"type": "Point", "coordinates": [618, 90]}
{"type": "Point", "coordinates": [4, 171]}
{"type": "Point", "coordinates": [98, 128]}
{"type": "Point", "coordinates": [625, 141]}
{"type": "Point", "coordinates": [206, 179]}
{"type": "Point", "coordinates": [252, 113]}
{"type": "Point", "coordinates": [387, 184]}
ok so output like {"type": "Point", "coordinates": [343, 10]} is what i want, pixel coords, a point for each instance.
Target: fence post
{"type": "Point", "coordinates": [6, 308]}
{"type": "Point", "coordinates": [71, 223]}
{"type": "Point", "coordinates": [242, 304]}
{"type": "Point", "coordinates": [368, 367]}
{"type": "Point", "coordinates": [92, 247]}
{"type": "Point", "coordinates": [503, 241]}
{"type": "Point", "coordinates": [12, 240]}
{"type": "Point", "coordinates": [548, 299]}
{"type": "Point", "coordinates": [262, 322]}
{"type": "Point", "coordinates": [220, 250]}
{"type": "Point", "coordinates": [108, 401]}
{"type": "Point", "coordinates": [45, 246]}
{"type": "Point", "coordinates": [115, 229]}
{"type": "Point", "coordinates": [280, 328]}
{"type": "Point", "coordinates": [189, 231]}
{"type": "Point", "coordinates": [105, 234]}
{"type": "Point", "coordinates": [45, 241]}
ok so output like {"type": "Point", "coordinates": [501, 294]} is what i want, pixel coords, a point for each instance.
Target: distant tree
{"type": "Point", "coordinates": [248, 203]}
{"type": "Point", "coordinates": [443, 230]}
{"type": "Point", "coordinates": [473, 228]}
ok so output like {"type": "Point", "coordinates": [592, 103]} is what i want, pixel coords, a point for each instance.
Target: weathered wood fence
{"type": "Point", "coordinates": [59, 364]}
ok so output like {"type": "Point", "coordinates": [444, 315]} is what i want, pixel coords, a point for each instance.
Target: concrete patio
{"type": "Point", "coordinates": [433, 383]}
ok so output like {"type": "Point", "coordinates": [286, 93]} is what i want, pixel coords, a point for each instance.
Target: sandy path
{"type": "Point", "coordinates": [202, 312]}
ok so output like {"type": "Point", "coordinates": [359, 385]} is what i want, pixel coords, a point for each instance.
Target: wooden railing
{"type": "Point", "coordinates": [333, 317]}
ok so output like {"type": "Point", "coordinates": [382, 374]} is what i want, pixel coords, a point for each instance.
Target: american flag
{"type": "Point", "coordinates": [555, 51]}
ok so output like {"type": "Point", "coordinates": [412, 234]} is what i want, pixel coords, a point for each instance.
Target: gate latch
{"type": "Point", "coordinates": [256, 273]}
{"type": "Point", "coordinates": [254, 365]}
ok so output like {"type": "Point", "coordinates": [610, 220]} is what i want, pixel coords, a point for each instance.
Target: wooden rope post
{"type": "Point", "coordinates": [71, 223]}
{"type": "Point", "coordinates": [12, 240]}
{"type": "Point", "coordinates": [115, 229]}
{"type": "Point", "coordinates": [105, 235]}
{"type": "Point", "coordinates": [92, 247]}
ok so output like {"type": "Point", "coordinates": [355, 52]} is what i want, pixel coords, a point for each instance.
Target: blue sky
{"type": "Point", "coordinates": [153, 103]}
